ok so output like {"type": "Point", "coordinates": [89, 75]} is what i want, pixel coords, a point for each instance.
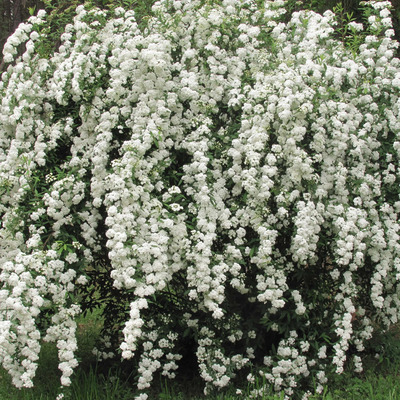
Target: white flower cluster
{"type": "Point", "coordinates": [157, 355]}
{"type": "Point", "coordinates": [242, 168]}
{"type": "Point", "coordinates": [216, 368]}
{"type": "Point", "coordinates": [21, 36]}
{"type": "Point", "coordinates": [292, 362]}
{"type": "Point", "coordinates": [31, 283]}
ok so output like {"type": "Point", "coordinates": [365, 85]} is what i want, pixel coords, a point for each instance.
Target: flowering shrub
{"type": "Point", "coordinates": [223, 184]}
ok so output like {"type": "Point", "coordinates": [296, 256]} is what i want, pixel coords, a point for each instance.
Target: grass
{"type": "Point", "coordinates": [372, 385]}
{"type": "Point", "coordinates": [379, 381]}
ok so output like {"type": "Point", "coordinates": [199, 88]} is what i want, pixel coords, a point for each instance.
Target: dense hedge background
{"type": "Point", "coordinates": [223, 207]}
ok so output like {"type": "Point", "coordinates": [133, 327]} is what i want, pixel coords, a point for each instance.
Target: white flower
{"type": "Point", "coordinates": [176, 207]}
